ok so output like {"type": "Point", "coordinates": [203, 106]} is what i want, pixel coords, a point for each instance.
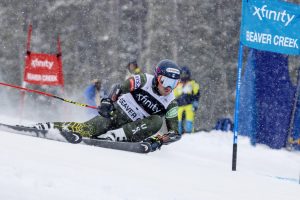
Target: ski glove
{"type": "Point", "coordinates": [155, 142]}
{"type": "Point", "coordinates": [159, 140]}
{"type": "Point", "coordinates": [106, 108]}
{"type": "Point", "coordinates": [170, 137]}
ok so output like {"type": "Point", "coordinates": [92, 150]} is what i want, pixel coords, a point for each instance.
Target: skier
{"type": "Point", "coordinates": [134, 111]}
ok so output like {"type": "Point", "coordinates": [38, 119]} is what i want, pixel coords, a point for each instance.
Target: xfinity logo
{"type": "Point", "coordinates": [39, 63]}
{"type": "Point", "coordinates": [146, 102]}
{"type": "Point", "coordinates": [263, 12]}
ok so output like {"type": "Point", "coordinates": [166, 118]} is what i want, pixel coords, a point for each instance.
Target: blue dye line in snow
{"type": "Point", "coordinates": [288, 179]}
{"type": "Point", "coordinates": [294, 180]}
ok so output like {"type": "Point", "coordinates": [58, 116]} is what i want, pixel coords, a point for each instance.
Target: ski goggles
{"type": "Point", "coordinates": [168, 82]}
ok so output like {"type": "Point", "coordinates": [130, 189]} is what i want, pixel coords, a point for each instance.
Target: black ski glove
{"type": "Point", "coordinates": [155, 142]}
{"type": "Point", "coordinates": [158, 140]}
{"type": "Point", "coordinates": [170, 137]}
{"type": "Point", "coordinates": [106, 108]}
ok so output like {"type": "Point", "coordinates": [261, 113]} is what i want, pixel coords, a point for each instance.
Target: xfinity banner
{"type": "Point", "coordinates": [271, 26]}
{"type": "Point", "coordinates": [43, 69]}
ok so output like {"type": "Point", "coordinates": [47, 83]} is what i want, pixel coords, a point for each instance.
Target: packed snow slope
{"type": "Point", "coordinates": [196, 167]}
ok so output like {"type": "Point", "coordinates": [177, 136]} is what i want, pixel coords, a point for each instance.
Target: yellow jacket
{"type": "Point", "coordinates": [187, 92]}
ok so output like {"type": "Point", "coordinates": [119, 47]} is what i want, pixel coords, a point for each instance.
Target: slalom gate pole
{"type": "Point", "coordinates": [48, 95]}
{"type": "Point", "coordinates": [236, 112]}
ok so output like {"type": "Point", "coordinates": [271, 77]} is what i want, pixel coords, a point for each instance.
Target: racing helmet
{"type": "Point", "coordinates": [167, 73]}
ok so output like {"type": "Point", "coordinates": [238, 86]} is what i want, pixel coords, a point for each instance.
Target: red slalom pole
{"type": "Point", "coordinates": [47, 94]}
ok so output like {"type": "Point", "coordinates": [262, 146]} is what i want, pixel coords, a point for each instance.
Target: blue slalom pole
{"type": "Point", "coordinates": [236, 112]}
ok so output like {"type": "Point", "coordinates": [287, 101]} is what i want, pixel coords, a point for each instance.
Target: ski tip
{"type": "Point", "coordinates": [146, 146]}
{"type": "Point", "coordinates": [72, 137]}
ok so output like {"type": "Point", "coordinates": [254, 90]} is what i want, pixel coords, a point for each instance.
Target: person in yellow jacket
{"type": "Point", "coordinates": [187, 94]}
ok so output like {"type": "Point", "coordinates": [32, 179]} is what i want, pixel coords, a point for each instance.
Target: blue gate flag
{"type": "Point", "coordinates": [271, 26]}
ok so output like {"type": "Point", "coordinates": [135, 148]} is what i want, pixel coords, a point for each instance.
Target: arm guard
{"type": "Point", "coordinates": [115, 93]}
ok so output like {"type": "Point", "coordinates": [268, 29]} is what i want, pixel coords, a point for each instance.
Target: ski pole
{"type": "Point", "coordinates": [47, 94]}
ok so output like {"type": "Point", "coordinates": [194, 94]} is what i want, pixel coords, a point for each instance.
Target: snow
{"type": "Point", "coordinates": [196, 167]}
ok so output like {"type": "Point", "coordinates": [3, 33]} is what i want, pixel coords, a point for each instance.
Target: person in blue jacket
{"type": "Point", "coordinates": [92, 95]}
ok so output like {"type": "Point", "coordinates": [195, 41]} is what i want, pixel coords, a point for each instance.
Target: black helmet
{"type": "Point", "coordinates": [167, 73]}
{"type": "Point", "coordinates": [167, 68]}
{"type": "Point", "coordinates": [185, 74]}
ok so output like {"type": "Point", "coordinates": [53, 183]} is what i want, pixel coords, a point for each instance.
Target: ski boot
{"type": "Point", "coordinates": [44, 126]}
{"type": "Point", "coordinates": [82, 129]}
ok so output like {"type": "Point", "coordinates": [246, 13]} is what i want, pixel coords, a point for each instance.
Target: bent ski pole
{"type": "Point", "coordinates": [49, 95]}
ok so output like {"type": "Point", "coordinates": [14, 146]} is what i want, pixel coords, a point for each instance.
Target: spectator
{"type": "Point", "coordinates": [187, 94]}
{"type": "Point", "coordinates": [132, 68]}
{"type": "Point", "coordinates": [92, 95]}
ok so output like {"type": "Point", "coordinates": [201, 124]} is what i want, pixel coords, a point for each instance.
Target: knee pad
{"type": "Point", "coordinates": [156, 122]}
{"type": "Point", "coordinates": [138, 130]}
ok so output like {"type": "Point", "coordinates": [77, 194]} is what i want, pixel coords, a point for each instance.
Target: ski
{"type": "Point", "coordinates": [54, 134]}
{"type": "Point", "coordinates": [75, 138]}
{"type": "Point", "coordinates": [137, 147]}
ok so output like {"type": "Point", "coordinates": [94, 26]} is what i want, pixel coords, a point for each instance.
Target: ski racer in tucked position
{"type": "Point", "coordinates": [134, 111]}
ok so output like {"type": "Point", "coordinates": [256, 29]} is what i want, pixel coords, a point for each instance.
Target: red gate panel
{"type": "Point", "coordinates": [43, 69]}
